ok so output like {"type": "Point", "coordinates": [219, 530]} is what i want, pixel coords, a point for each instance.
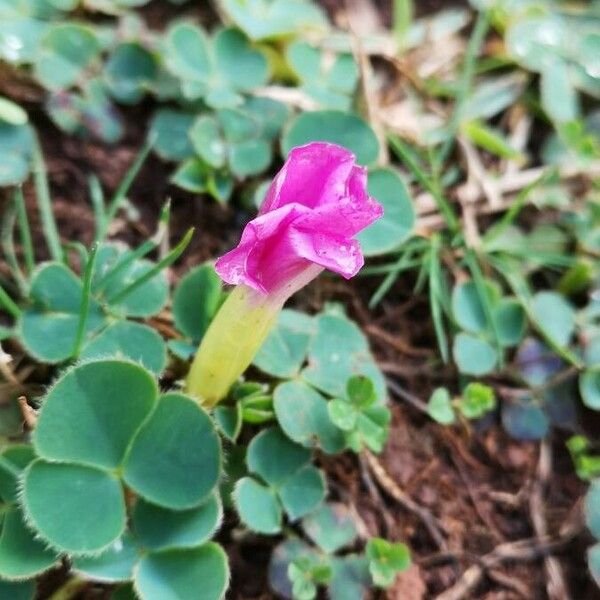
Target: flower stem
{"type": "Point", "coordinates": [233, 338]}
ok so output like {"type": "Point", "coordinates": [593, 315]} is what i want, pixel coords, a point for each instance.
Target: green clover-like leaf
{"type": "Point", "coordinates": [195, 574]}
{"type": "Point", "coordinates": [329, 80]}
{"type": "Point", "coordinates": [66, 50]}
{"type": "Point", "coordinates": [265, 19]}
{"type": "Point", "coordinates": [93, 411]}
{"type": "Point", "coordinates": [216, 69]}
{"type": "Point", "coordinates": [174, 460]}
{"type": "Point", "coordinates": [49, 326]}
{"type": "Point", "coordinates": [338, 127]}
{"type": "Point", "coordinates": [54, 492]}
{"type": "Point", "coordinates": [22, 555]}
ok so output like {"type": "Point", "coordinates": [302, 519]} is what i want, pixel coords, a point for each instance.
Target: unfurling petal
{"type": "Point", "coordinates": [313, 208]}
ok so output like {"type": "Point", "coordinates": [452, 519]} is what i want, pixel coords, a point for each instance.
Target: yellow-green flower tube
{"type": "Point", "coordinates": [231, 342]}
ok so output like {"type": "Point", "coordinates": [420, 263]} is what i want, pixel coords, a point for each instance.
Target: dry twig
{"type": "Point", "coordinates": [398, 343]}
{"type": "Point", "coordinates": [555, 583]}
{"type": "Point", "coordinates": [372, 105]}
{"type": "Point", "coordinates": [30, 415]}
{"type": "Point", "coordinates": [528, 549]}
{"type": "Point", "coordinates": [395, 492]}
{"type": "Point", "coordinates": [508, 184]}
{"type": "Point", "coordinates": [413, 400]}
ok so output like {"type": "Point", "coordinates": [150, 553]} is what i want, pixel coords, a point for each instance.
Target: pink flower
{"type": "Point", "coordinates": [315, 206]}
{"type": "Point", "coordinates": [313, 209]}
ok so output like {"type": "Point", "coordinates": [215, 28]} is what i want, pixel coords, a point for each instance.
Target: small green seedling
{"type": "Point", "coordinates": [587, 465]}
{"type": "Point", "coordinates": [386, 560]}
{"type": "Point", "coordinates": [306, 574]}
{"type": "Point", "coordinates": [475, 402]}
{"type": "Point", "coordinates": [297, 568]}
{"type": "Point", "coordinates": [252, 404]}
{"type": "Point", "coordinates": [440, 407]}
{"type": "Point", "coordinates": [304, 351]}
{"type": "Point", "coordinates": [363, 421]}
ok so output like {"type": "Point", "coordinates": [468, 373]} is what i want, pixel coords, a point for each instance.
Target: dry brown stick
{"type": "Point", "coordinates": [398, 343]}
{"type": "Point", "coordinates": [404, 370]}
{"type": "Point", "coordinates": [394, 491]}
{"type": "Point", "coordinates": [375, 495]}
{"type": "Point", "coordinates": [365, 71]}
{"type": "Point", "coordinates": [429, 219]}
{"type": "Point", "coordinates": [292, 96]}
{"type": "Point", "coordinates": [470, 191]}
{"type": "Point", "coordinates": [528, 549]}
{"type": "Point", "coordinates": [30, 415]}
{"type": "Point", "coordinates": [413, 400]}
{"type": "Point", "coordinates": [426, 205]}
{"type": "Point", "coordinates": [555, 583]}
{"type": "Point", "coordinates": [519, 587]}
{"type": "Point", "coordinates": [484, 184]}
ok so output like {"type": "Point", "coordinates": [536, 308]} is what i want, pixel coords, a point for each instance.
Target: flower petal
{"type": "Point", "coordinates": [314, 207]}
{"type": "Point", "coordinates": [266, 256]}
{"type": "Point", "coordinates": [347, 215]}
{"type": "Point", "coordinates": [336, 254]}
{"type": "Point", "coordinates": [310, 172]}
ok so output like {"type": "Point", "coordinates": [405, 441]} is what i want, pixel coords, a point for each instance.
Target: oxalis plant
{"type": "Point", "coordinates": [126, 483]}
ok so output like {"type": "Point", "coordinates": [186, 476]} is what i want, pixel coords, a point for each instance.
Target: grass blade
{"type": "Point", "coordinates": [466, 81]}
{"type": "Point", "coordinates": [42, 195]}
{"type": "Point", "coordinates": [435, 294]}
{"type": "Point", "coordinates": [85, 301]}
{"type": "Point", "coordinates": [515, 208]}
{"type": "Point", "coordinates": [24, 231]}
{"type": "Point", "coordinates": [97, 200]}
{"type": "Point", "coordinates": [402, 16]}
{"type": "Point", "coordinates": [119, 196]}
{"type": "Point", "coordinates": [427, 182]}
{"type": "Point", "coordinates": [80, 250]}
{"type": "Point", "coordinates": [8, 247]}
{"type": "Point", "coordinates": [388, 268]}
{"type": "Point", "coordinates": [8, 304]}
{"type": "Point", "coordinates": [141, 251]}
{"type": "Point", "coordinates": [402, 264]}
{"type": "Point", "coordinates": [164, 263]}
